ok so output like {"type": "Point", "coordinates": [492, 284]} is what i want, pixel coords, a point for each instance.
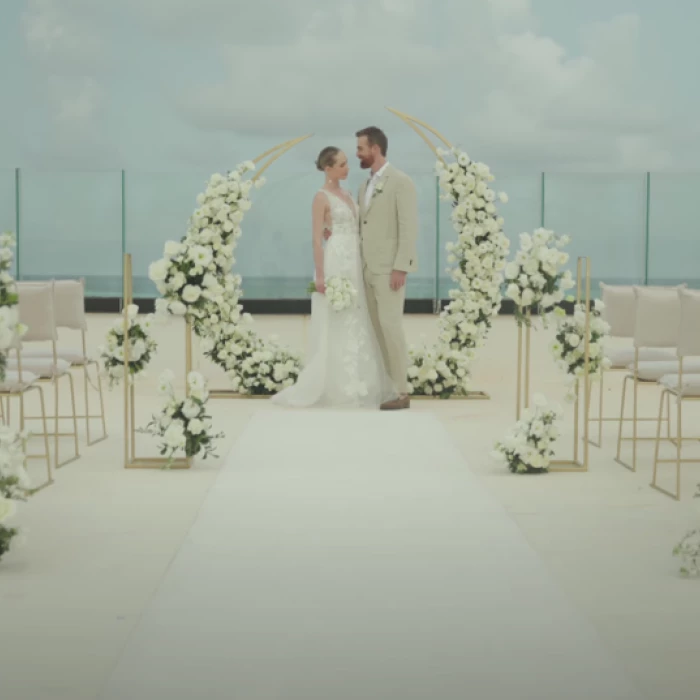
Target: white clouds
{"type": "Point", "coordinates": [479, 70]}
{"type": "Point", "coordinates": [485, 73]}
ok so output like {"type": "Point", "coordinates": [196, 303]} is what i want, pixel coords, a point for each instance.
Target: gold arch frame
{"type": "Point", "coordinates": [415, 123]}
{"type": "Point", "coordinates": [282, 148]}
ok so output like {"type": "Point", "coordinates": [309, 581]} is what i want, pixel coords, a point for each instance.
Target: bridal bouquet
{"type": "Point", "coordinates": [528, 448]}
{"type": "Point", "coordinates": [340, 293]}
{"type": "Point", "coordinates": [10, 327]}
{"type": "Point", "coordinates": [569, 345]}
{"type": "Point", "coordinates": [141, 346]}
{"type": "Point", "coordinates": [183, 423]}
{"type": "Point", "coordinates": [14, 481]}
{"type": "Point", "coordinates": [536, 278]}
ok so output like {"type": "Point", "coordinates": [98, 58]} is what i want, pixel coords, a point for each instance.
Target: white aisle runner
{"type": "Point", "coordinates": [353, 556]}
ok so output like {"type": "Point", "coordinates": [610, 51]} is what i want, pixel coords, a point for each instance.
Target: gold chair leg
{"type": "Point", "coordinates": [658, 436]}
{"type": "Point", "coordinates": [622, 417]}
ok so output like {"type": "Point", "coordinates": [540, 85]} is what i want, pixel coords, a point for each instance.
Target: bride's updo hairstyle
{"type": "Point", "coordinates": [326, 158]}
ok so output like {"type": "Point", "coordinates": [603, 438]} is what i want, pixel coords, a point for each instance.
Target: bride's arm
{"type": "Point", "coordinates": [318, 219]}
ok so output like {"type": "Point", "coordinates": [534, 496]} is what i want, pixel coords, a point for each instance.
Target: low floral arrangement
{"type": "Point", "coordinates": [14, 481]}
{"type": "Point", "coordinates": [141, 346]}
{"type": "Point", "coordinates": [254, 367]}
{"type": "Point", "coordinates": [528, 448]}
{"type": "Point", "coordinates": [535, 278]}
{"type": "Point", "coordinates": [183, 423]}
{"type": "Point", "coordinates": [477, 261]}
{"type": "Point", "coordinates": [10, 327]}
{"type": "Point", "coordinates": [340, 293]}
{"type": "Point", "coordinates": [569, 346]}
{"type": "Point", "coordinates": [440, 371]}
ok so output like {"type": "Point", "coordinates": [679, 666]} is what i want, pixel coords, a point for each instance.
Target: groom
{"type": "Point", "coordinates": [388, 230]}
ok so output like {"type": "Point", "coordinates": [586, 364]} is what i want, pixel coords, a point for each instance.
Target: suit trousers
{"type": "Point", "coordinates": [386, 308]}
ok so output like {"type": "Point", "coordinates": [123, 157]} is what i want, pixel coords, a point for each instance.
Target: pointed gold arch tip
{"type": "Point", "coordinates": [415, 124]}
{"type": "Point", "coordinates": [277, 152]}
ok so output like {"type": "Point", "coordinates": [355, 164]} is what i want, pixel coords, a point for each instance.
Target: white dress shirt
{"type": "Point", "coordinates": [372, 182]}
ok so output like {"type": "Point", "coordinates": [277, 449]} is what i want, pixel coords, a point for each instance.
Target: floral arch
{"type": "Point", "coordinates": [195, 279]}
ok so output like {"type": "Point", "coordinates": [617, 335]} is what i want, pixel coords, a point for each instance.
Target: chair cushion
{"type": "Point", "coordinates": [691, 384]}
{"type": "Point", "coordinates": [653, 371]}
{"type": "Point", "coordinates": [620, 359]}
{"type": "Point", "coordinates": [12, 383]}
{"type": "Point", "coordinates": [41, 366]}
{"type": "Point", "coordinates": [73, 356]}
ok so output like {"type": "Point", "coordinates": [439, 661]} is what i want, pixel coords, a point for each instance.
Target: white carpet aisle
{"type": "Point", "coordinates": [353, 556]}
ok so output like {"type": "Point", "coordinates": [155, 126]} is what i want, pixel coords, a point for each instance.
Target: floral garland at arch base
{"type": "Point", "coordinates": [195, 282]}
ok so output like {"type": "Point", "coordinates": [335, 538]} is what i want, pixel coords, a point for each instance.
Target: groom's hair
{"type": "Point", "coordinates": [375, 137]}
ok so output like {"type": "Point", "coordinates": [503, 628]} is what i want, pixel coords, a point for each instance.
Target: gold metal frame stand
{"type": "Point", "coordinates": [131, 459]}
{"type": "Point", "coordinates": [583, 295]}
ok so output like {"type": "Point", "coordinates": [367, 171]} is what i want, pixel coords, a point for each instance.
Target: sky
{"type": "Point", "coordinates": [177, 85]}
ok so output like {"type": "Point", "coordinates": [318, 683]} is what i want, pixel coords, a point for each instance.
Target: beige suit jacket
{"type": "Point", "coordinates": [389, 224]}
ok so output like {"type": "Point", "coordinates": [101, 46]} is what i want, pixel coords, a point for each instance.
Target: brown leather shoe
{"type": "Point", "coordinates": [397, 404]}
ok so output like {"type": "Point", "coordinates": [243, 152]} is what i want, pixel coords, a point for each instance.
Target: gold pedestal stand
{"type": "Point", "coordinates": [131, 459]}
{"type": "Point", "coordinates": [575, 464]}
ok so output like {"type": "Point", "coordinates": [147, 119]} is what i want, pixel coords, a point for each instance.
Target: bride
{"type": "Point", "coordinates": [345, 367]}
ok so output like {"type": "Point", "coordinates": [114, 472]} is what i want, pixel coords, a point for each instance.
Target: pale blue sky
{"type": "Point", "coordinates": [524, 85]}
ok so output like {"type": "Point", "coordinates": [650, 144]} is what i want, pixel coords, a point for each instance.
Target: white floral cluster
{"type": "Point", "coordinates": [141, 346]}
{"type": "Point", "coordinates": [535, 278]}
{"type": "Point", "coordinates": [340, 293]}
{"type": "Point", "coordinates": [10, 327]}
{"type": "Point", "coordinates": [440, 371]}
{"type": "Point", "coordinates": [196, 281]}
{"type": "Point", "coordinates": [184, 425]}
{"type": "Point", "coordinates": [528, 448]}
{"type": "Point", "coordinates": [477, 260]}
{"type": "Point", "coordinates": [569, 346]}
{"type": "Point", "coordinates": [14, 481]}
{"type": "Point", "coordinates": [254, 367]}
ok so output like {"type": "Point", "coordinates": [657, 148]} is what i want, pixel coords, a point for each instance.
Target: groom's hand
{"type": "Point", "coordinates": [326, 233]}
{"type": "Point", "coordinates": [398, 279]}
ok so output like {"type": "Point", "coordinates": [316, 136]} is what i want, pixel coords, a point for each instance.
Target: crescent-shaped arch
{"type": "Point", "coordinates": [415, 124]}
{"type": "Point", "coordinates": [277, 152]}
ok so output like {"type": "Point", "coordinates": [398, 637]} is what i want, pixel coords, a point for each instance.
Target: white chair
{"type": "Point", "coordinates": [619, 312]}
{"type": "Point", "coordinates": [17, 383]}
{"type": "Point", "coordinates": [681, 385]}
{"type": "Point", "coordinates": [69, 307]}
{"type": "Point", "coordinates": [656, 321]}
{"type": "Point", "coordinates": [36, 311]}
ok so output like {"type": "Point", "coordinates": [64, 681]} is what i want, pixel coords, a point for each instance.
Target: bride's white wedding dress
{"type": "Point", "coordinates": [344, 367]}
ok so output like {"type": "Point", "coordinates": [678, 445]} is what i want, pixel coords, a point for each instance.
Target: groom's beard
{"type": "Point", "coordinates": [366, 164]}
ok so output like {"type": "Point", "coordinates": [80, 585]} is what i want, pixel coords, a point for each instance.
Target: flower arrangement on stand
{"type": "Point", "coordinates": [535, 278]}
{"type": "Point", "coordinates": [569, 346]}
{"type": "Point", "coordinates": [14, 481]}
{"type": "Point", "coordinates": [195, 280]}
{"type": "Point", "coordinates": [528, 448]}
{"type": "Point", "coordinates": [184, 424]}
{"type": "Point", "coordinates": [141, 347]}
{"type": "Point", "coordinates": [477, 260]}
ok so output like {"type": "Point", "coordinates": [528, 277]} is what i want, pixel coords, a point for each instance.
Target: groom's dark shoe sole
{"type": "Point", "coordinates": [396, 404]}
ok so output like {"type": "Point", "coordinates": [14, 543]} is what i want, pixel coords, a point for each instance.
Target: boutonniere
{"type": "Point", "coordinates": [378, 189]}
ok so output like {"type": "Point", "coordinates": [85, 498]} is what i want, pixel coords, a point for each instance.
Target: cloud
{"type": "Point", "coordinates": [479, 72]}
